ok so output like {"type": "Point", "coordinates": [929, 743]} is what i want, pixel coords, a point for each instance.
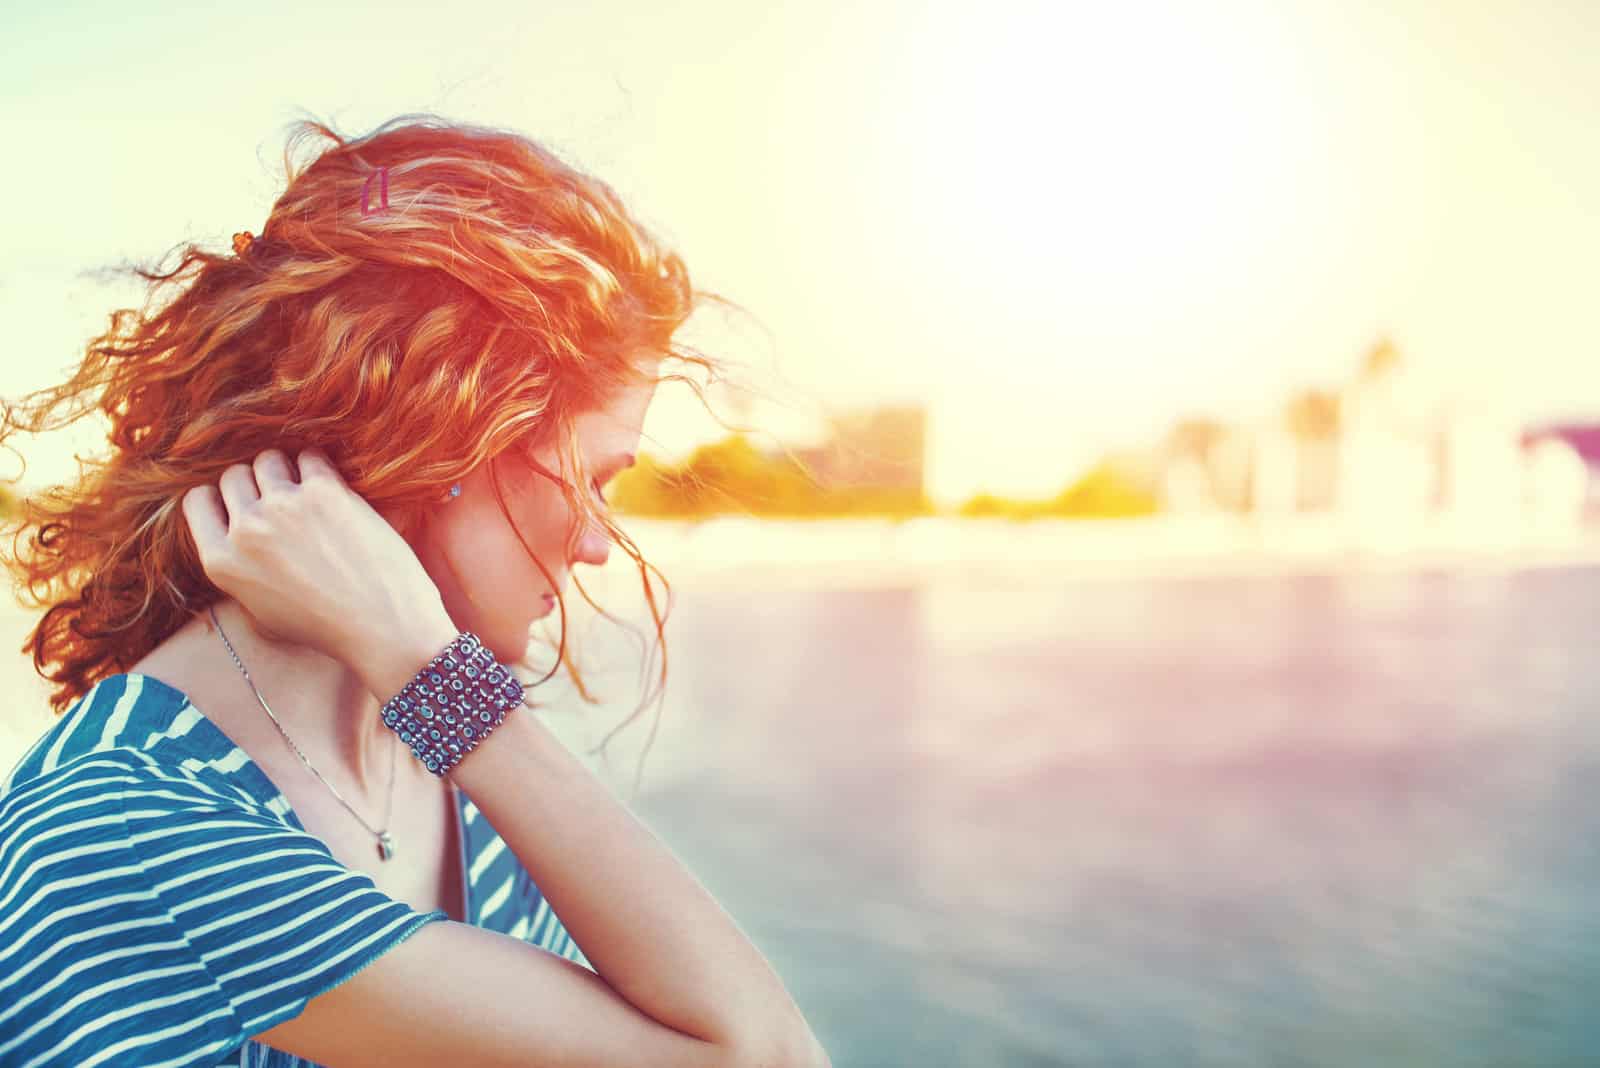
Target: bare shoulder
{"type": "Point", "coordinates": [185, 661]}
{"type": "Point", "coordinates": [453, 993]}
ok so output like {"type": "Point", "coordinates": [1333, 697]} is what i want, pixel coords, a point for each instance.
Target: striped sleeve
{"type": "Point", "coordinates": [503, 896]}
{"type": "Point", "coordinates": [146, 918]}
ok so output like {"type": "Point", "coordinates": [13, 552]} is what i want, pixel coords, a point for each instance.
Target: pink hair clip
{"type": "Point", "coordinates": [382, 174]}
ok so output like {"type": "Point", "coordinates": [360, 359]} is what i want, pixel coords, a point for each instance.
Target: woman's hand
{"type": "Point", "coordinates": [314, 564]}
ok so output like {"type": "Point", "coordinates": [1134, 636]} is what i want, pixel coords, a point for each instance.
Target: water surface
{"type": "Point", "coordinates": [1275, 821]}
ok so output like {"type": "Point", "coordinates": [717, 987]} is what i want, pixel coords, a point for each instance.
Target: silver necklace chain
{"type": "Point", "coordinates": [386, 847]}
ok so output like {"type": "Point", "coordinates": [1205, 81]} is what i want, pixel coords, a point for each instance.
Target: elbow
{"type": "Point", "coordinates": [814, 1056]}
{"type": "Point", "coordinates": [781, 1050]}
{"type": "Point", "coordinates": [807, 1052]}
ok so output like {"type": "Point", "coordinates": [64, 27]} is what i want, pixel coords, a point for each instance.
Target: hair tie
{"type": "Point", "coordinates": [242, 241]}
{"type": "Point", "coordinates": [382, 175]}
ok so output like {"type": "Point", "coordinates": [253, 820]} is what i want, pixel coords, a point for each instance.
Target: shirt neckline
{"type": "Point", "coordinates": [257, 782]}
{"type": "Point", "coordinates": [259, 785]}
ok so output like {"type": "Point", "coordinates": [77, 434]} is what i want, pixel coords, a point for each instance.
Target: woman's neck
{"type": "Point", "coordinates": [321, 705]}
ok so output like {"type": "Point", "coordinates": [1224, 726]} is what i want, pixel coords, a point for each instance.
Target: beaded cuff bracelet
{"type": "Point", "coordinates": [451, 705]}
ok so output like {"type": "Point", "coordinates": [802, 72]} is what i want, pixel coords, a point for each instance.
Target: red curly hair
{"type": "Point", "coordinates": [429, 266]}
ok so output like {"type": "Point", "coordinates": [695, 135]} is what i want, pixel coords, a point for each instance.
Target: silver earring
{"type": "Point", "coordinates": [455, 489]}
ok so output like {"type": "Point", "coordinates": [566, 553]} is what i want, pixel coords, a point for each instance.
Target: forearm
{"type": "Point", "coordinates": [652, 932]}
{"type": "Point", "coordinates": [648, 927]}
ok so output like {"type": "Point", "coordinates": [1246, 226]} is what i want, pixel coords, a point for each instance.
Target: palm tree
{"type": "Point", "coordinates": [1381, 358]}
{"type": "Point", "coordinates": [1313, 415]}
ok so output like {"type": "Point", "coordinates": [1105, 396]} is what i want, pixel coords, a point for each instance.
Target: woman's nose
{"type": "Point", "coordinates": [594, 547]}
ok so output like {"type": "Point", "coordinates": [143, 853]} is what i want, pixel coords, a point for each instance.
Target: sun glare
{"type": "Point", "coordinates": [1110, 155]}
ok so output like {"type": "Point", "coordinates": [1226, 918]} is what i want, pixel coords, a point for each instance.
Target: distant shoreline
{"type": "Point", "coordinates": [739, 555]}
{"type": "Point", "coordinates": [856, 553]}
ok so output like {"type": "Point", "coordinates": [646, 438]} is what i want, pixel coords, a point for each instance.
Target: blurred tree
{"type": "Point", "coordinates": [1105, 491]}
{"type": "Point", "coordinates": [1195, 438]}
{"type": "Point", "coordinates": [647, 488]}
{"type": "Point", "coordinates": [733, 476]}
{"type": "Point", "coordinates": [986, 505]}
{"type": "Point", "coordinates": [1109, 490]}
{"type": "Point", "coordinates": [1313, 415]}
{"type": "Point", "coordinates": [1381, 357]}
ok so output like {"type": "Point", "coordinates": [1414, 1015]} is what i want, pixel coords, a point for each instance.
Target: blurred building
{"type": "Point", "coordinates": [1565, 467]}
{"type": "Point", "coordinates": [1273, 466]}
{"type": "Point", "coordinates": [1395, 450]}
{"type": "Point", "coordinates": [1386, 476]}
{"type": "Point", "coordinates": [881, 448]}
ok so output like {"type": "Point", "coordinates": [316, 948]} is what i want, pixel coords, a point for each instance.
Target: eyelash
{"type": "Point", "coordinates": [595, 482]}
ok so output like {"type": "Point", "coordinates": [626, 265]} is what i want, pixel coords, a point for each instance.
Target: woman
{"type": "Point", "coordinates": [332, 454]}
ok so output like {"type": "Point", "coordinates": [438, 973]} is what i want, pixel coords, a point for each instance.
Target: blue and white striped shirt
{"type": "Point", "coordinates": [160, 902]}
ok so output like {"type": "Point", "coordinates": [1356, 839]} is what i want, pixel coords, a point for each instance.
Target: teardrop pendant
{"type": "Point", "coordinates": [385, 845]}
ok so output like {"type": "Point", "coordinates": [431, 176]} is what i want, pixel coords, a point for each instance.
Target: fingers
{"type": "Point", "coordinates": [239, 490]}
{"type": "Point", "coordinates": [244, 484]}
{"type": "Point", "coordinates": [215, 513]}
{"type": "Point", "coordinates": [272, 471]}
{"type": "Point", "coordinates": [211, 511]}
{"type": "Point", "coordinates": [207, 520]}
{"type": "Point", "coordinates": [314, 464]}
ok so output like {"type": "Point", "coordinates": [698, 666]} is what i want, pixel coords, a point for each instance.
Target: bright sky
{"type": "Point", "coordinates": [1061, 225]}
